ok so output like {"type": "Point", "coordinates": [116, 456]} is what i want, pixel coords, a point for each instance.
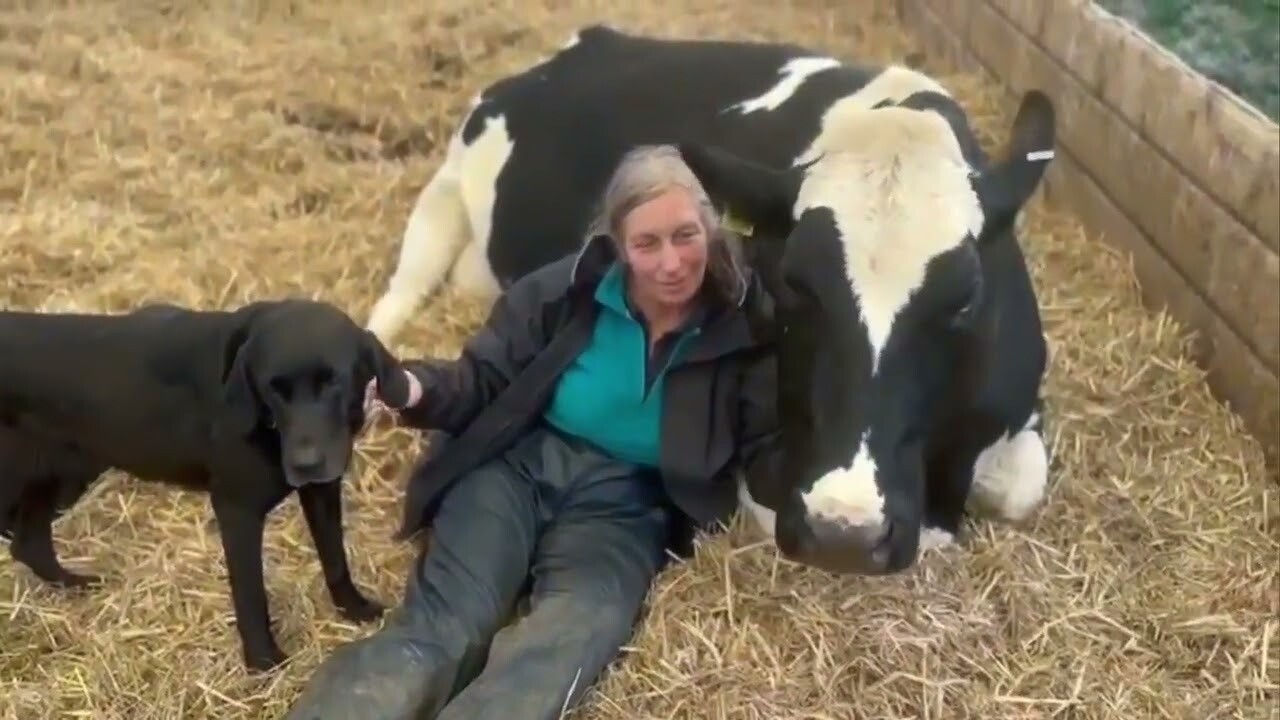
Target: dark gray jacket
{"type": "Point", "coordinates": [718, 402]}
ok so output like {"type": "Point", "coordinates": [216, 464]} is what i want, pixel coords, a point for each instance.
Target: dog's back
{"type": "Point", "coordinates": [129, 390]}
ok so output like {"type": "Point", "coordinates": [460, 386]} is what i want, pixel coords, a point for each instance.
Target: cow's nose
{"type": "Point", "coordinates": [839, 547]}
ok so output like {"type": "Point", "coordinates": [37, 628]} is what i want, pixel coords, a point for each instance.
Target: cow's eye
{"type": "Point", "coordinates": [967, 309]}
{"type": "Point", "coordinates": [964, 316]}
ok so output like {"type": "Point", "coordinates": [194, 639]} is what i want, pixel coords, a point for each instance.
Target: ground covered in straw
{"type": "Point", "coordinates": [214, 155]}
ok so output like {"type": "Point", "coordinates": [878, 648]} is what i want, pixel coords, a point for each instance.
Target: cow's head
{"type": "Point", "coordinates": [873, 255]}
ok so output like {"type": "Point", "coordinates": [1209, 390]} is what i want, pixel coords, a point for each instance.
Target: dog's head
{"type": "Point", "coordinates": [298, 369]}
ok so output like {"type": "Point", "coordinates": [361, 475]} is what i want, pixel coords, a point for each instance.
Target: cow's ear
{"type": "Point", "coordinates": [751, 193]}
{"type": "Point", "coordinates": [1009, 182]}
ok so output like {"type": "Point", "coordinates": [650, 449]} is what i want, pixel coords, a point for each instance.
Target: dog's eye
{"type": "Point", "coordinates": [280, 388]}
{"type": "Point", "coordinates": [322, 380]}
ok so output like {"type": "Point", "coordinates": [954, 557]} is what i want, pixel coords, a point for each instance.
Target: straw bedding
{"type": "Point", "coordinates": [215, 154]}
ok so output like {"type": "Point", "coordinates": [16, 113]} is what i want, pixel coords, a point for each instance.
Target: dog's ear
{"type": "Point", "coordinates": [393, 387]}
{"type": "Point", "coordinates": [239, 399]}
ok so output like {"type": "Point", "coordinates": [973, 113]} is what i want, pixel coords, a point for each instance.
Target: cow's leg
{"type": "Point", "coordinates": [763, 519]}
{"type": "Point", "coordinates": [1011, 475]}
{"type": "Point", "coordinates": [486, 157]}
{"type": "Point", "coordinates": [948, 479]}
{"type": "Point", "coordinates": [472, 275]}
{"type": "Point", "coordinates": [437, 230]}
{"type": "Point", "coordinates": [986, 468]}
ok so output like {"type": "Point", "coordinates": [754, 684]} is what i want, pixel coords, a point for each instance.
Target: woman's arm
{"type": "Point", "coordinates": [455, 391]}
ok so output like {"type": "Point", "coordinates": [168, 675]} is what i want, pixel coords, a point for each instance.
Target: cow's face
{"type": "Point", "coordinates": [873, 255]}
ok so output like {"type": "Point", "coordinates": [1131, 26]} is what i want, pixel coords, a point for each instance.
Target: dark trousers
{"type": "Point", "coordinates": [589, 533]}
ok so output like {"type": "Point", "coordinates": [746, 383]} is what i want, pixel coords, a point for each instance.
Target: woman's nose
{"type": "Point", "coordinates": [669, 259]}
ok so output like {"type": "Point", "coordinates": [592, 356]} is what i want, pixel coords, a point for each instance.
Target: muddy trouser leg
{"type": "Point", "coordinates": [463, 588]}
{"type": "Point", "coordinates": [592, 569]}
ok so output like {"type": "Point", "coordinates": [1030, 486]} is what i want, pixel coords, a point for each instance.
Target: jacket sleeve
{"type": "Point", "coordinates": [759, 443]}
{"type": "Point", "coordinates": [455, 391]}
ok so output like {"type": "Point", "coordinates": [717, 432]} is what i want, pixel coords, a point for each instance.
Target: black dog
{"type": "Point", "coordinates": [246, 405]}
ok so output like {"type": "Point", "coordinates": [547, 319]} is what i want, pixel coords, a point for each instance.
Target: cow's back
{"type": "Point", "coordinates": [571, 117]}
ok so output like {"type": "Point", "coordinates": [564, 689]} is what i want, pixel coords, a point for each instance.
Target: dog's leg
{"type": "Point", "coordinates": [322, 508]}
{"type": "Point", "coordinates": [241, 529]}
{"type": "Point", "coordinates": [32, 543]}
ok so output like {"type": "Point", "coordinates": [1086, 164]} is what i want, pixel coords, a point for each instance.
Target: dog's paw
{"type": "Point", "coordinates": [361, 610]}
{"type": "Point", "coordinates": [264, 660]}
{"type": "Point", "coordinates": [77, 581]}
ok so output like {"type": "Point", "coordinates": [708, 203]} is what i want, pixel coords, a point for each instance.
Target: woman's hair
{"type": "Point", "coordinates": [644, 173]}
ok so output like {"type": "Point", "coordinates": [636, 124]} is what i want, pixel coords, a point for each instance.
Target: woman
{"type": "Point", "coordinates": [603, 412]}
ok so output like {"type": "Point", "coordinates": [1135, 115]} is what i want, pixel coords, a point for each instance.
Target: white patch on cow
{"type": "Point", "coordinates": [899, 189]}
{"type": "Point", "coordinates": [932, 538]}
{"type": "Point", "coordinates": [794, 72]}
{"type": "Point", "coordinates": [765, 519]}
{"type": "Point", "coordinates": [849, 495]}
{"type": "Point", "coordinates": [472, 274]}
{"type": "Point", "coordinates": [452, 213]}
{"type": "Point", "coordinates": [1010, 477]}
{"type": "Point", "coordinates": [895, 84]}
{"type": "Point", "coordinates": [573, 40]}
{"type": "Point", "coordinates": [484, 159]}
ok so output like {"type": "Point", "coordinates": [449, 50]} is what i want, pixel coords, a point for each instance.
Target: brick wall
{"type": "Point", "coordinates": [1156, 159]}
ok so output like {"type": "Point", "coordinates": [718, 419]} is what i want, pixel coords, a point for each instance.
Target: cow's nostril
{"type": "Point", "coordinates": [870, 537]}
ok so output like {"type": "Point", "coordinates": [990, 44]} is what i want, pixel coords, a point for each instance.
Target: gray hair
{"type": "Point", "coordinates": [644, 173]}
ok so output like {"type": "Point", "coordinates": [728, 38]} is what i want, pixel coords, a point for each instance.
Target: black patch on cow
{"type": "Point", "coordinates": [821, 364]}
{"type": "Point", "coordinates": [950, 111]}
{"type": "Point", "coordinates": [572, 117]}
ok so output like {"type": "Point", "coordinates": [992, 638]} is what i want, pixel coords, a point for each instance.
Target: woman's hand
{"type": "Point", "coordinates": [372, 400]}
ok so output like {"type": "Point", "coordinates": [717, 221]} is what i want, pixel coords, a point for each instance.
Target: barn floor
{"type": "Point", "coordinates": [156, 150]}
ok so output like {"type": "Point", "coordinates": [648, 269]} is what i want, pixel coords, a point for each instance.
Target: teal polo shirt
{"type": "Point", "coordinates": [611, 396]}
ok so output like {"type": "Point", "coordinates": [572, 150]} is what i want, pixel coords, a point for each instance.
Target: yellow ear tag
{"type": "Point", "coordinates": [736, 225]}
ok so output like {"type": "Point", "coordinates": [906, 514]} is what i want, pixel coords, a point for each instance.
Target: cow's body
{"type": "Point", "coordinates": [530, 158]}
{"type": "Point", "coordinates": [524, 172]}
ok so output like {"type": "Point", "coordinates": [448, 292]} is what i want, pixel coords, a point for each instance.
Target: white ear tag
{"type": "Point", "coordinates": [1039, 155]}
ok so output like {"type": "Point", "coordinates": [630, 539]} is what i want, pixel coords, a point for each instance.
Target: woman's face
{"type": "Point", "coordinates": [666, 249]}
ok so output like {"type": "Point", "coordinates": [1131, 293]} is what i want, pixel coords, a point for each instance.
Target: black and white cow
{"type": "Point", "coordinates": [910, 346]}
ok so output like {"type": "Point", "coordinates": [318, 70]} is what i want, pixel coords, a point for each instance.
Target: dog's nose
{"type": "Point", "coordinates": [306, 457]}
{"type": "Point", "coordinates": [306, 469]}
